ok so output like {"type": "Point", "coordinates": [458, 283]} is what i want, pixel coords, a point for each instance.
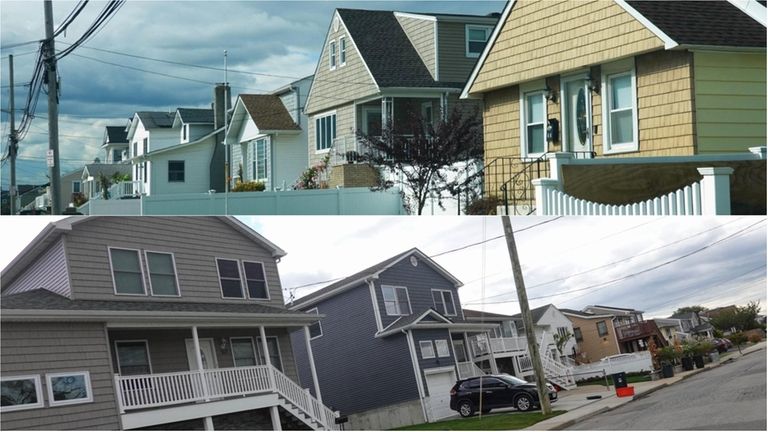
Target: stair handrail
{"type": "Point", "coordinates": [527, 166]}
{"type": "Point", "coordinates": [304, 401]}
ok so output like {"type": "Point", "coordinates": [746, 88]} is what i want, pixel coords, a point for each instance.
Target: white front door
{"type": "Point", "coordinates": [207, 353]}
{"type": "Point", "coordinates": [439, 384]}
{"type": "Point", "coordinates": [577, 118]}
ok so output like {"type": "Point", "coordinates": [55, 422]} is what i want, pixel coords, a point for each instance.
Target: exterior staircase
{"type": "Point", "coordinates": [555, 371]}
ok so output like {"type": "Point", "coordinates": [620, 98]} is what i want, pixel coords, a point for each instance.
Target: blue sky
{"type": "Point", "coordinates": [262, 37]}
{"type": "Point", "coordinates": [654, 264]}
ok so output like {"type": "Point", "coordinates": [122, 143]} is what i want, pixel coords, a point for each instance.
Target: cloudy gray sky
{"type": "Point", "coordinates": [652, 264]}
{"type": "Point", "coordinates": [272, 42]}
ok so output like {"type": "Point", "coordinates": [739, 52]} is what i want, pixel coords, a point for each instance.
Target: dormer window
{"type": "Point", "coordinates": [476, 38]}
{"type": "Point", "coordinates": [332, 55]}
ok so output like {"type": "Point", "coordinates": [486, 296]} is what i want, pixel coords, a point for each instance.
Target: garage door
{"type": "Point", "coordinates": [439, 384]}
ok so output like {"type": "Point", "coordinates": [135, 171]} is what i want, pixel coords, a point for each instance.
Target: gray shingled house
{"type": "Point", "coordinates": [390, 343]}
{"type": "Point", "coordinates": [149, 322]}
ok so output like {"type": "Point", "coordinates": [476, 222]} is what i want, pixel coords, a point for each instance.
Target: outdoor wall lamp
{"type": "Point", "coordinates": [223, 345]}
{"type": "Point", "coordinates": [594, 83]}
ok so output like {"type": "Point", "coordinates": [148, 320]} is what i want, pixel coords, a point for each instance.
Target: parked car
{"type": "Point", "coordinates": [722, 344]}
{"type": "Point", "coordinates": [498, 391]}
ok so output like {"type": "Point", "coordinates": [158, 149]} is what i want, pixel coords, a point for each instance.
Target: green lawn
{"type": "Point", "coordinates": [504, 421]}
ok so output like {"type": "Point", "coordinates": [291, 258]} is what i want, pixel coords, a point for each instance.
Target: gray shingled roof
{"type": "Point", "coordinates": [386, 49]}
{"type": "Point", "coordinates": [117, 134]}
{"type": "Point", "coordinates": [535, 313]}
{"type": "Point", "coordinates": [108, 170]}
{"type": "Point", "coordinates": [471, 313]}
{"type": "Point", "coordinates": [156, 119]}
{"type": "Point", "coordinates": [196, 115]}
{"type": "Point", "coordinates": [578, 313]}
{"type": "Point", "coordinates": [41, 299]}
{"type": "Point", "coordinates": [716, 23]}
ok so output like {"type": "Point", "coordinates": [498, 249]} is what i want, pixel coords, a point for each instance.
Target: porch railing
{"type": "Point", "coordinates": [174, 388]}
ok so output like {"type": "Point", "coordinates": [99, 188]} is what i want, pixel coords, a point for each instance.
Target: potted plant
{"type": "Point", "coordinates": [701, 349]}
{"type": "Point", "coordinates": [668, 355]}
{"type": "Point", "coordinates": [687, 358]}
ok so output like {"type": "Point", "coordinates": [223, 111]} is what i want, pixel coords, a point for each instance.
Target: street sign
{"type": "Point", "coordinates": [49, 158]}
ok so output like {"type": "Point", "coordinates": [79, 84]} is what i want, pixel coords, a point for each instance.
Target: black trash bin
{"type": "Point", "coordinates": [619, 380]}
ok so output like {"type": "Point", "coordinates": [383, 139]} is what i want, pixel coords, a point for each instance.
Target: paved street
{"type": "Point", "coordinates": [729, 397]}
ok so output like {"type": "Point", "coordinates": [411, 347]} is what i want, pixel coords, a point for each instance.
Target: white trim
{"type": "Point", "coordinates": [375, 302]}
{"type": "Point", "coordinates": [565, 138]}
{"type": "Point", "coordinates": [467, 27]}
{"type": "Point", "coordinates": [533, 88]}
{"type": "Point", "coordinates": [447, 347]}
{"type": "Point", "coordinates": [279, 354]}
{"type": "Point", "coordinates": [488, 46]}
{"type": "Point", "coordinates": [442, 299]}
{"type": "Point", "coordinates": [438, 370]}
{"type": "Point", "coordinates": [253, 349]}
{"type": "Point", "coordinates": [397, 304]}
{"type": "Point", "coordinates": [87, 381]}
{"type": "Point", "coordinates": [79, 186]}
{"type": "Point", "coordinates": [755, 10]}
{"type": "Point", "coordinates": [416, 372]}
{"type": "Point", "coordinates": [117, 354]}
{"type": "Point", "coordinates": [213, 349]}
{"type": "Point", "coordinates": [221, 288]}
{"type": "Point", "coordinates": [437, 53]}
{"type": "Point", "coordinates": [427, 345]}
{"type": "Point", "coordinates": [112, 271]}
{"type": "Point", "coordinates": [415, 16]}
{"type": "Point", "coordinates": [608, 71]}
{"type": "Point", "coordinates": [315, 119]}
{"type": "Point", "coordinates": [245, 280]}
{"type": "Point", "coordinates": [320, 326]}
{"type": "Point", "coordinates": [333, 48]}
{"type": "Point", "coordinates": [669, 43]}
{"type": "Point", "coordinates": [38, 393]}
{"type": "Point", "coordinates": [342, 51]}
{"type": "Point", "coordinates": [175, 273]}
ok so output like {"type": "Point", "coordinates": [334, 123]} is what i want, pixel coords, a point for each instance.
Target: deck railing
{"type": "Point", "coordinates": [175, 388]}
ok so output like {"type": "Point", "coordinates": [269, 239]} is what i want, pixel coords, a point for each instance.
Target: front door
{"type": "Point", "coordinates": [207, 353]}
{"type": "Point", "coordinates": [577, 116]}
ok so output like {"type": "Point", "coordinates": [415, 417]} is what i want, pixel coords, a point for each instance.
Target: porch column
{"type": "Point", "coordinates": [312, 364]}
{"type": "Point", "coordinates": [199, 360]}
{"type": "Point", "coordinates": [716, 191]}
{"type": "Point", "coordinates": [444, 106]}
{"type": "Point", "coordinates": [556, 162]}
{"type": "Point", "coordinates": [265, 350]}
{"type": "Point", "coordinates": [387, 111]}
{"type": "Point", "coordinates": [491, 357]}
{"type": "Point", "coordinates": [543, 189]}
{"type": "Point", "coordinates": [274, 414]}
{"type": "Point", "coordinates": [208, 423]}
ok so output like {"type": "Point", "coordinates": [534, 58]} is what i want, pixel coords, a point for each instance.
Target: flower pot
{"type": "Point", "coordinates": [714, 356]}
{"type": "Point", "coordinates": [698, 360]}
{"type": "Point", "coordinates": [667, 371]}
{"type": "Point", "coordinates": [687, 363]}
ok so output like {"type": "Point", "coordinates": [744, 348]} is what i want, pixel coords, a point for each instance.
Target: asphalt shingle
{"type": "Point", "coordinates": [117, 134]}
{"type": "Point", "coordinates": [268, 112]}
{"type": "Point", "coordinates": [196, 115]}
{"type": "Point", "coordinates": [156, 119]}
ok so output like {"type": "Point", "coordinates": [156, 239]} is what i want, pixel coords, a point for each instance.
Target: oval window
{"type": "Point", "coordinates": [581, 116]}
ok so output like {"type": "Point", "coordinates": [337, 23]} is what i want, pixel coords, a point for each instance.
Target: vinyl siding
{"type": "Point", "coordinates": [421, 33]}
{"type": "Point", "coordinates": [40, 348]}
{"type": "Point", "coordinates": [195, 242]}
{"type": "Point", "coordinates": [542, 38]}
{"type": "Point", "coordinates": [168, 350]}
{"type": "Point", "coordinates": [455, 66]}
{"type": "Point", "coordinates": [289, 159]}
{"type": "Point", "coordinates": [432, 335]}
{"type": "Point", "coordinates": [730, 101]}
{"type": "Point", "coordinates": [197, 161]}
{"type": "Point", "coordinates": [336, 87]}
{"type": "Point", "coordinates": [48, 272]}
{"type": "Point", "coordinates": [345, 129]}
{"type": "Point", "coordinates": [356, 371]}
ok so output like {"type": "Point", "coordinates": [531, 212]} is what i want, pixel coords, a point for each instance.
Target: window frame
{"type": "Point", "coordinates": [488, 31]}
{"type": "Point", "coordinates": [175, 273]}
{"type": "Point", "coordinates": [245, 279]}
{"type": "Point", "coordinates": [183, 171]}
{"type": "Point", "coordinates": [333, 130]}
{"type": "Point", "coordinates": [532, 89]}
{"type": "Point", "coordinates": [258, 157]}
{"type": "Point", "coordinates": [332, 50]}
{"type": "Point", "coordinates": [112, 271]}
{"type": "Point", "coordinates": [87, 380]}
{"type": "Point", "coordinates": [447, 352]}
{"type": "Point", "coordinates": [577, 335]}
{"type": "Point", "coordinates": [38, 393]}
{"type": "Point", "coordinates": [397, 304]}
{"type": "Point", "coordinates": [599, 333]}
{"type": "Point", "coordinates": [342, 51]}
{"type": "Point", "coordinates": [257, 341]}
{"type": "Point", "coordinates": [79, 184]}
{"type": "Point", "coordinates": [609, 72]}
{"type": "Point", "coordinates": [117, 354]}
{"type": "Point", "coordinates": [239, 271]}
{"type": "Point", "coordinates": [253, 349]}
{"type": "Point", "coordinates": [422, 345]}
{"type": "Point", "coordinates": [318, 323]}
{"type": "Point", "coordinates": [442, 298]}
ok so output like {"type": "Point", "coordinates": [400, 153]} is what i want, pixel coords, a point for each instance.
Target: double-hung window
{"type": "Point", "coordinates": [602, 328]}
{"type": "Point", "coordinates": [162, 274]}
{"type": "Point", "coordinates": [396, 300]}
{"type": "Point", "coordinates": [126, 271]}
{"type": "Point", "coordinates": [133, 357]}
{"type": "Point", "coordinates": [255, 280]}
{"type": "Point", "coordinates": [243, 351]}
{"type": "Point", "coordinates": [534, 114]}
{"type": "Point", "coordinates": [229, 278]}
{"type": "Point", "coordinates": [325, 131]}
{"type": "Point", "coordinates": [332, 55]}
{"type": "Point", "coordinates": [443, 301]}
{"type": "Point", "coordinates": [76, 186]}
{"type": "Point", "coordinates": [342, 51]}
{"type": "Point", "coordinates": [620, 108]}
{"type": "Point", "coordinates": [427, 349]}
{"type": "Point", "coordinates": [441, 347]}
{"type": "Point", "coordinates": [476, 39]}
{"type": "Point", "coordinates": [316, 329]}
{"type": "Point", "coordinates": [274, 352]}
{"type": "Point", "coordinates": [176, 171]}
{"type": "Point", "coordinates": [260, 159]}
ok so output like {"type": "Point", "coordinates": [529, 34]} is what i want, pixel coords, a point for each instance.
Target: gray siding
{"type": "Point", "coordinates": [421, 33]}
{"type": "Point", "coordinates": [420, 281]}
{"type": "Point", "coordinates": [356, 371]}
{"type": "Point", "coordinates": [432, 335]}
{"type": "Point", "coordinates": [454, 64]}
{"type": "Point", "coordinates": [342, 85]}
{"type": "Point", "coordinates": [195, 242]}
{"type": "Point", "coordinates": [168, 350]}
{"type": "Point", "coordinates": [40, 348]}
{"type": "Point", "coordinates": [49, 272]}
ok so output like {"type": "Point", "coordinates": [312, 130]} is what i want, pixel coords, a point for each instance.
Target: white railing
{"type": "Point", "coordinates": [343, 150]}
{"type": "Point", "coordinates": [469, 370]}
{"type": "Point", "coordinates": [710, 196]}
{"type": "Point", "coordinates": [555, 371]}
{"type": "Point", "coordinates": [525, 363]}
{"type": "Point", "coordinates": [125, 188]}
{"type": "Point", "coordinates": [174, 388]}
{"type": "Point", "coordinates": [499, 345]}
{"type": "Point", "coordinates": [635, 362]}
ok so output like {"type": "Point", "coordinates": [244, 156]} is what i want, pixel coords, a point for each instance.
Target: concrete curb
{"type": "Point", "coordinates": [572, 422]}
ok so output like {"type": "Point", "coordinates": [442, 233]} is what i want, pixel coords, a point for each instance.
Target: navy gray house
{"type": "Point", "coordinates": [390, 342]}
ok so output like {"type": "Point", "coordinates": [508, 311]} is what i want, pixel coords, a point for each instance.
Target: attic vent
{"type": "Point", "coordinates": [336, 24]}
{"type": "Point", "coordinates": [414, 261]}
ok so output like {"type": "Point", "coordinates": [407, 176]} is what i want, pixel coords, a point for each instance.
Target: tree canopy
{"type": "Point", "coordinates": [741, 318]}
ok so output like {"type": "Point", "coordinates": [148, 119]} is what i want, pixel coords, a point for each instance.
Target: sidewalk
{"type": "Point", "coordinates": [610, 401]}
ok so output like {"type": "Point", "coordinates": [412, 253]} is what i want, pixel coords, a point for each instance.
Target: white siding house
{"type": "Point", "coordinates": [148, 131]}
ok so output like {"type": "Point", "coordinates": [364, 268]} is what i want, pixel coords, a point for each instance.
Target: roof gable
{"type": "Point", "coordinates": [268, 112]}
{"type": "Point", "coordinates": [115, 135]}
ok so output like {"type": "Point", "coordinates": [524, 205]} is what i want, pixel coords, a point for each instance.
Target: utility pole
{"type": "Point", "coordinates": [14, 144]}
{"type": "Point", "coordinates": [52, 158]}
{"type": "Point", "coordinates": [522, 297]}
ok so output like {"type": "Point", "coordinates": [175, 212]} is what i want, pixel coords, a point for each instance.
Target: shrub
{"type": "Point", "coordinates": [78, 199]}
{"type": "Point", "coordinates": [668, 355]}
{"type": "Point", "coordinates": [755, 338]}
{"type": "Point", "coordinates": [253, 186]}
{"type": "Point", "coordinates": [483, 206]}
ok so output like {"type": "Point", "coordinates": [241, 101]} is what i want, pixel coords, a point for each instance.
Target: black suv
{"type": "Point", "coordinates": [498, 391]}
